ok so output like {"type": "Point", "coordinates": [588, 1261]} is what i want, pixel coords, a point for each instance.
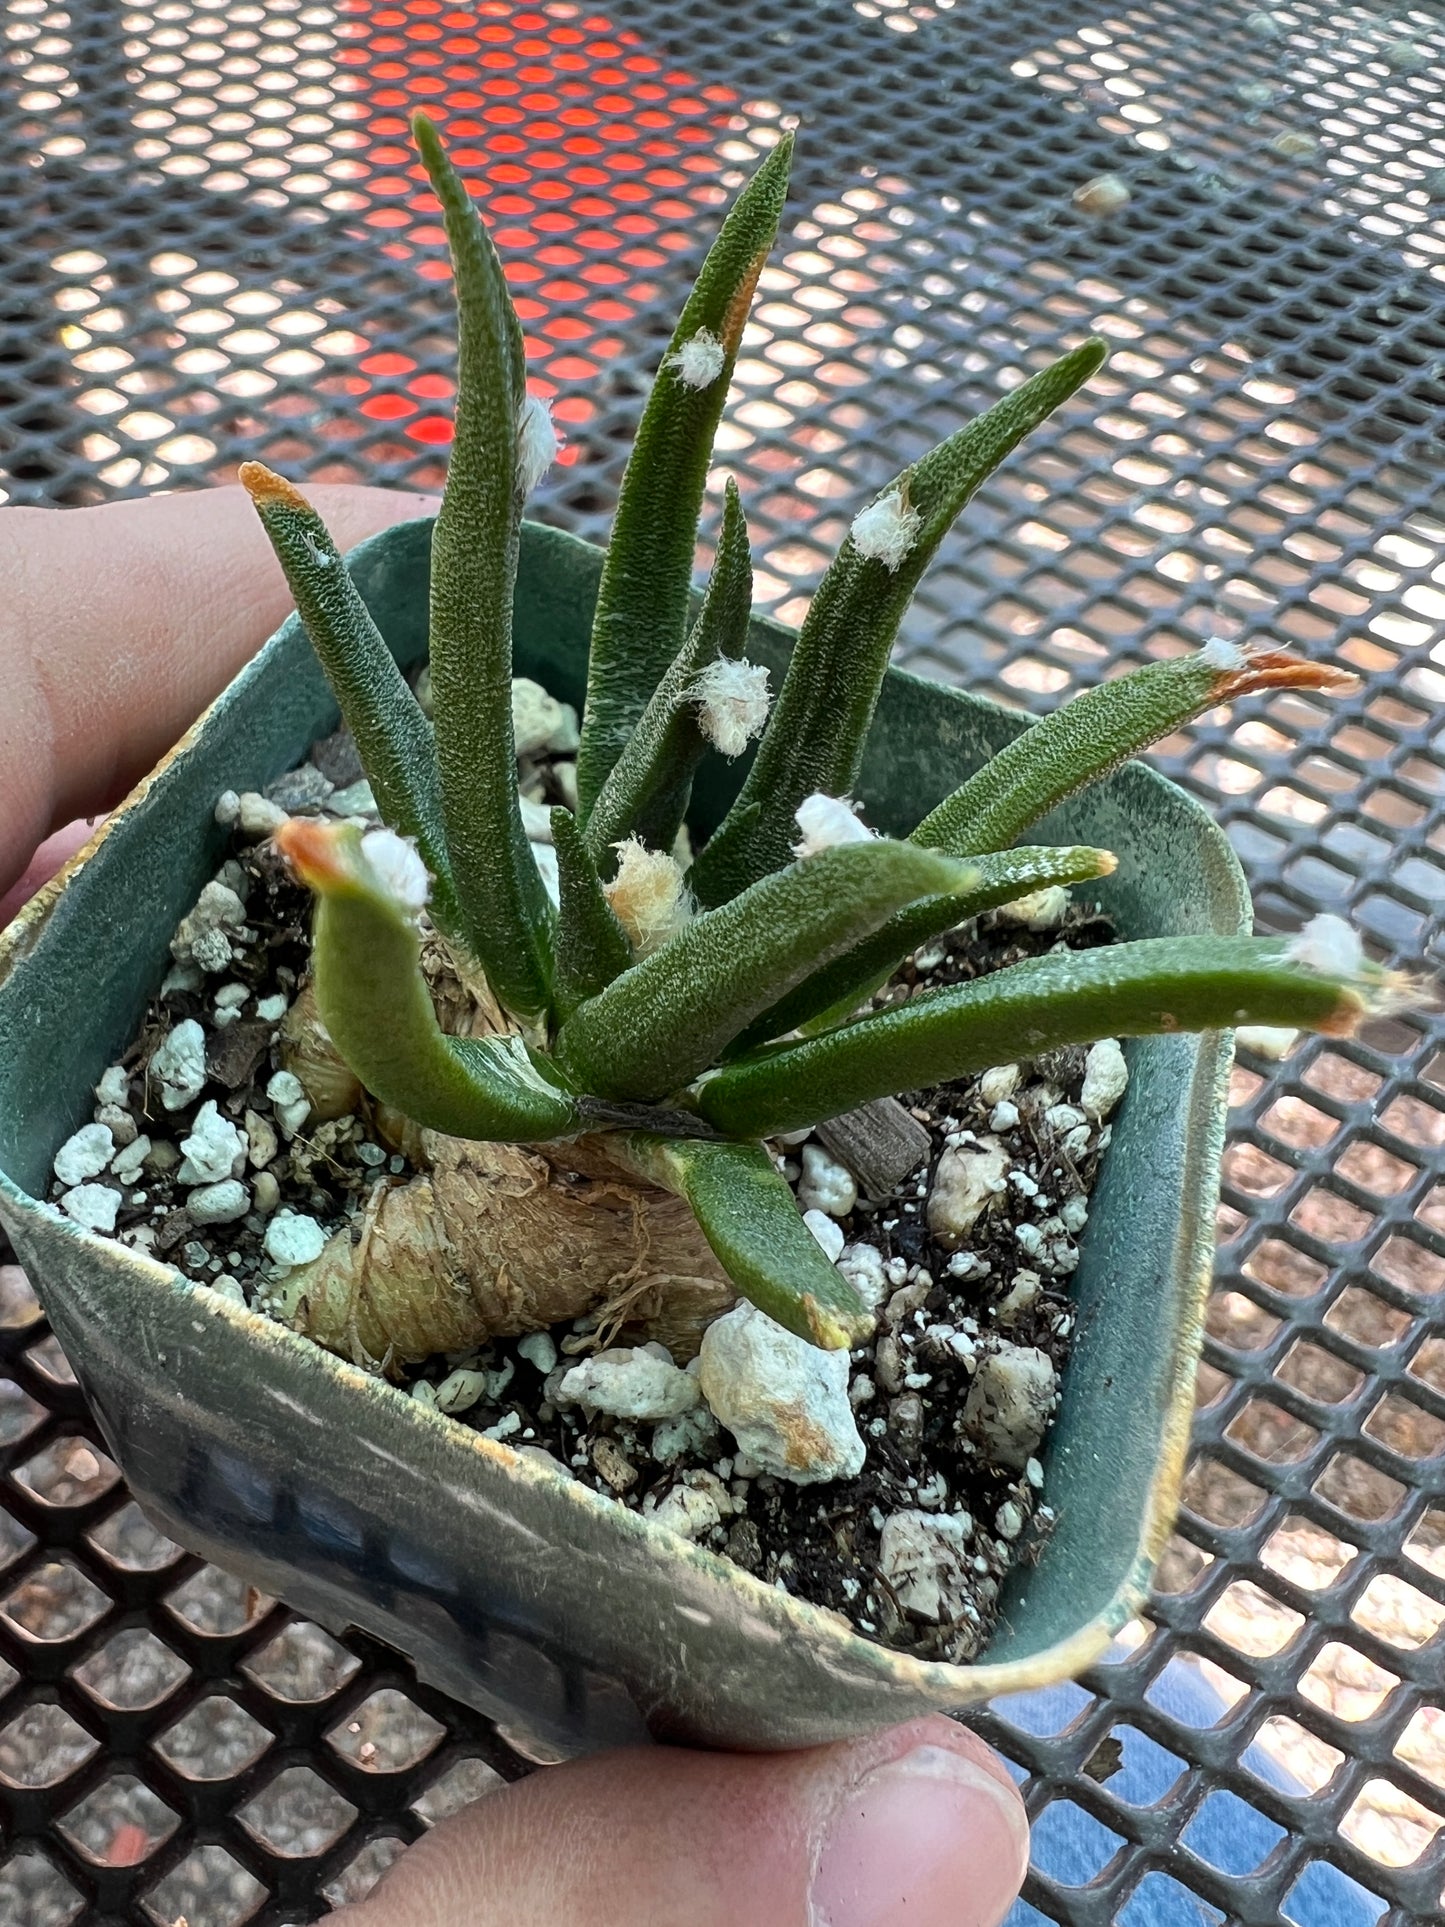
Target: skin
{"type": "Point", "coordinates": [117, 626]}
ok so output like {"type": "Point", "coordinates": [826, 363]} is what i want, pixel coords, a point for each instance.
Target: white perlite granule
{"type": "Point", "coordinates": [539, 1349]}
{"type": "Point", "coordinates": [179, 1066]}
{"type": "Point", "coordinates": [924, 1561]}
{"type": "Point", "coordinates": [631, 1382]}
{"type": "Point", "coordinates": [92, 1205]}
{"type": "Point", "coordinates": [826, 1185]}
{"type": "Point", "coordinates": [828, 1233]}
{"type": "Point", "coordinates": [1106, 1078]}
{"type": "Point", "coordinates": [289, 1099]}
{"type": "Point", "coordinates": [213, 1151]}
{"type": "Point", "coordinates": [292, 1238]}
{"type": "Point", "coordinates": [784, 1401]}
{"type": "Point", "coordinates": [85, 1155]}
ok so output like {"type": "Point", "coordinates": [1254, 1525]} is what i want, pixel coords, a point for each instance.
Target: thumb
{"type": "Point", "coordinates": [42, 866]}
{"type": "Point", "coordinates": [916, 1827]}
{"type": "Point", "coordinates": [119, 624]}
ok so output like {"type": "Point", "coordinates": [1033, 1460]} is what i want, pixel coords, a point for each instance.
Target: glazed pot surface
{"type": "Point", "coordinates": [571, 1621]}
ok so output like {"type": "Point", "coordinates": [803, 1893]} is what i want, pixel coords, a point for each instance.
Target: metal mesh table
{"type": "Point", "coordinates": [214, 245]}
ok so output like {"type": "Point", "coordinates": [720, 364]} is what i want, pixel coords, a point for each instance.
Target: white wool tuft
{"type": "Point", "coordinates": [649, 895]}
{"type": "Point", "coordinates": [734, 700]}
{"type": "Point", "coordinates": [1328, 944]}
{"type": "Point", "coordinates": [827, 821]}
{"type": "Point", "coordinates": [1220, 654]}
{"type": "Point", "coordinates": [537, 442]}
{"type": "Point", "coordinates": [886, 530]}
{"type": "Point", "coordinates": [393, 861]}
{"type": "Point", "coordinates": [700, 361]}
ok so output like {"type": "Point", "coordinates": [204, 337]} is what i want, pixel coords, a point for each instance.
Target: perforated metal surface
{"type": "Point", "coordinates": [214, 245]}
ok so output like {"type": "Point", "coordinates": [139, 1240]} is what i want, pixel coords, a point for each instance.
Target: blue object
{"type": "Point", "coordinates": [1071, 1847]}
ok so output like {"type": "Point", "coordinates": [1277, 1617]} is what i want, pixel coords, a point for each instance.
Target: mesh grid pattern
{"type": "Point", "coordinates": [215, 245]}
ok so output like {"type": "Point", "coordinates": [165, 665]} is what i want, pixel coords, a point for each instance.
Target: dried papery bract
{"type": "Point", "coordinates": [587, 1090]}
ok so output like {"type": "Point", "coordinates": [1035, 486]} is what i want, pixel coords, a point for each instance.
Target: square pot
{"type": "Point", "coordinates": [570, 1621]}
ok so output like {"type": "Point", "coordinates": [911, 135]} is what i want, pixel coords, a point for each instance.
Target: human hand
{"type": "Point", "coordinates": [117, 626]}
{"type": "Point", "coordinates": [120, 624]}
{"type": "Point", "coordinates": [916, 1827]}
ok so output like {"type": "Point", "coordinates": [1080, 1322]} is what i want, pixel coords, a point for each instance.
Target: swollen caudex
{"type": "Point", "coordinates": [490, 1239]}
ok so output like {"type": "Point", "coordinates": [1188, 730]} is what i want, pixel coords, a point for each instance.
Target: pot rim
{"type": "Point", "coordinates": [945, 1683]}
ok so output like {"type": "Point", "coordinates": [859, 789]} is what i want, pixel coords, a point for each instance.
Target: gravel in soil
{"type": "Point", "coordinates": [204, 1152]}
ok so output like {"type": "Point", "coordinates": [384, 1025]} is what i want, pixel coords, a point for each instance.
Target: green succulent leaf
{"type": "Point", "coordinates": [814, 739]}
{"type": "Point", "coordinates": [392, 735]}
{"type": "Point", "coordinates": [592, 946]}
{"type": "Point", "coordinates": [834, 993]}
{"type": "Point", "coordinates": [647, 577]}
{"type": "Point", "coordinates": [1099, 729]}
{"type": "Point", "coordinates": [671, 1015]}
{"type": "Point", "coordinates": [1139, 989]}
{"type": "Point", "coordinates": [505, 913]}
{"type": "Point", "coordinates": [374, 1001]}
{"type": "Point", "coordinates": [649, 786]}
{"type": "Point", "coordinates": [749, 1216]}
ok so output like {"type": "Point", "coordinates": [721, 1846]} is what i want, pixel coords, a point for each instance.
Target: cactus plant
{"type": "Point", "coordinates": [641, 1038]}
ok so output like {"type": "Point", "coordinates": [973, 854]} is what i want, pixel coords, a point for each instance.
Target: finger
{"type": "Point", "coordinates": [54, 851]}
{"type": "Point", "coordinates": [121, 623]}
{"type": "Point", "coordinates": [917, 1827]}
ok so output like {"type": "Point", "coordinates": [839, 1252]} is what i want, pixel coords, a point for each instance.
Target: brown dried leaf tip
{"type": "Point", "coordinates": [267, 489]}
{"type": "Point", "coordinates": [1245, 671]}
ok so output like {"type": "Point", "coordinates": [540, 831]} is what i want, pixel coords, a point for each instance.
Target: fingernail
{"type": "Point", "coordinates": [932, 1839]}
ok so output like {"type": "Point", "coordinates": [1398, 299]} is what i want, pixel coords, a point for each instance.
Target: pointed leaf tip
{"type": "Point", "coordinates": [815, 736]}
{"type": "Point", "coordinates": [641, 617]}
{"type": "Point", "coordinates": [315, 851]}
{"type": "Point", "coordinates": [265, 486]}
{"type": "Point", "coordinates": [749, 1216]}
{"type": "Point", "coordinates": [1247, 670]}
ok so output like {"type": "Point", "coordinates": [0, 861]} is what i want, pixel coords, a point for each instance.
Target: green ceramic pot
{"type": "Point", "coordinates": [570, 1621]}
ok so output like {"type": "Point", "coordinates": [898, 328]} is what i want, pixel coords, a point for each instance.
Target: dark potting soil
{"type": "Point", "coordinates": [201, 1154]}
